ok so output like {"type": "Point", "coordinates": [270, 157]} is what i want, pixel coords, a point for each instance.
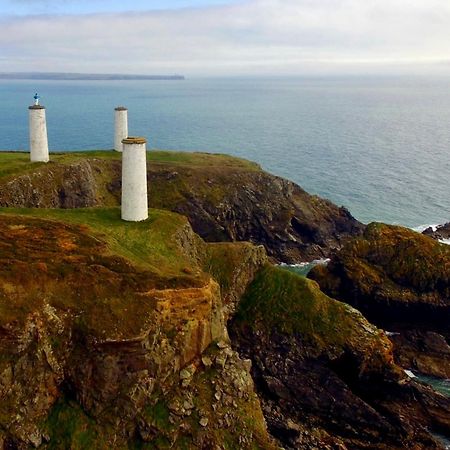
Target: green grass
{"type": "Point", "coordinates": [282, 300]}
{"type": "Point", "coordinates": [291, 304]}
{"type": "Point", "coordinates": [158, 416]}
{"type": "Point", "coordinates": [149, 244]}
{"type": "Point", "coordinates": [200, 159]}
{"type": "Point", "coordinates": [222, 260]}
{"type": "Point", "coordinates": [16, 163]}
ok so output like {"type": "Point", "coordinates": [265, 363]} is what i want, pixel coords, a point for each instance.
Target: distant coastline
{"type": "Point", "coordinates": [83, 76]}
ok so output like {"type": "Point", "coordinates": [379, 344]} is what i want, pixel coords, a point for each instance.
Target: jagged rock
{"type": "Point", "coordinates": [93, 346]}
{"type": "Point", "coordinates": [55, 186]}
{"type": "Point", "coordinates": [187, 372]}
{"type": "Point", "coordinates": [422, 351]}
{"type": "Point", "coordinates": [207, 361]}
{"type": "Point", "coordinates": [319, 364]}
{"type": "Point", "coordinates": [441, 232]}
{"type": "Point", "coordinates": [399, 279]}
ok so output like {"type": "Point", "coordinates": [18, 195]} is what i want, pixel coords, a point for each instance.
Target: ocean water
{"type": "Point", "coordinates": [379, 146]}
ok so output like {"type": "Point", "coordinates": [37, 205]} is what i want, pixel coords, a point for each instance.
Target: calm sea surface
{"type": "Point", "coordinates": [381, 147]}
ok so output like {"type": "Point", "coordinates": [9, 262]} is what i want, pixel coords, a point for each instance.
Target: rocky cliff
{"type": "Point", "coordinates": [108, 342]}
{"type": "Point", "coordinates": [114, 335]}
{"type": "Point", "coordinates": [225, 198]}
{"type": "Point", "coordinates": [396, 277]}
{"type": "Point", "coordinates": [325, 376]}
{"type": "Point", "coordinates": [400, 280]}
{"type": "Point", "coordinates": [441, 232]}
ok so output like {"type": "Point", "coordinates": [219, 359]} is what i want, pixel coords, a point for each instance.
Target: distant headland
{"type": "Point", "coordinates": [83, 76]}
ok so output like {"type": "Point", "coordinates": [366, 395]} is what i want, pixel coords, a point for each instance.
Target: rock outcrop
{"type": "Point", "coordinates": [114, 335]}
{"type": "Point", "coordinates": [325, 376]}
{"type": "Point", "coordinates": [397, 278]}
{"type": "Point", "coordinates": [56, 186]}
{"type": "Point", "coordinates": [424, 352]}
{"type": "Point", "coordinates": [98, 350]}
{"type": "Point", "coordinates": [400, 280]}
{"type": "Point", "coordinates": [439, 233]}
{"type": "Point", "coordinates": [225, 198]}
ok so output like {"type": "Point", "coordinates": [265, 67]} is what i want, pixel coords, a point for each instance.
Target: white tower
{"type": "Point", "coordinates": [38, 132]}
{"type": "Point", "coordinates": [120, 127]}
{"type": "Point", "coordinates": [134, 179]}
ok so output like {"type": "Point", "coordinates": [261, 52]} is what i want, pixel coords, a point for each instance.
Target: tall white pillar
{"type": "Point", "coordinates": [134, 179]}
{"type": "Point", "coordinates": [120, 127]}
{"type": "Point", "coordinates": [38, 134]}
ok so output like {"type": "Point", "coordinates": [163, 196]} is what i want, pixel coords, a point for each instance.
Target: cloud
{"type": "Point", "coordinates": [259, 36]}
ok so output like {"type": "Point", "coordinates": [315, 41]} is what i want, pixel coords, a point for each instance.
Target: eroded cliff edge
{"type": "Point", "coordinates": [112, 336]}
{"type": "Point", "coordinates": [325, 375]}
{"type": "Point", "coordinates": [225, 198]}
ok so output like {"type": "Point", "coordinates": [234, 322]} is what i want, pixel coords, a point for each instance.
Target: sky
{"type": "Point", "coordinates": [223, 37]}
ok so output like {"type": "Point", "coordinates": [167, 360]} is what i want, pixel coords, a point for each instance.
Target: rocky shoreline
{"type": "Point", "coordinates": [441, 232]}
{"type": "Point", "coordinates": [174, 333]}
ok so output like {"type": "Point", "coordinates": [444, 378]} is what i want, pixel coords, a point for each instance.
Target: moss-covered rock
{"type": "Point", "coordinates": [99, 322]}
{"type": "Point", "coordinates": [326, 376]}
{"type": "Point", "coordinates": [396, 277]}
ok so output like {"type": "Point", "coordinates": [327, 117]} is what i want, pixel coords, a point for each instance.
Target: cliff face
{"type": "Point", "coordinates": [113, 334]}
{"type": "Point", "coordinates": [400, 280]}
{"type": "Point", "coordinates": [325, 376]}
{"type": "Point", "coordinates": [225, 199]}
{"type": "Point", "coordinates": [396, 277]}
{"type": "Point", "coordinates": [102, 351]}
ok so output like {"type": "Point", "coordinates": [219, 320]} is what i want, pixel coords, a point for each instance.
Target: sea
{"type": "Point", "coordinates": [380, 146]}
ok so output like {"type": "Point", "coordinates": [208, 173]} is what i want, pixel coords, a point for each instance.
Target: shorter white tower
{"type": "Point", "coordinates": [38, 132]}
{"type": "Point", "coordinates": [120, 127]}
{"type": "Point", "coordinates": [134, 179]}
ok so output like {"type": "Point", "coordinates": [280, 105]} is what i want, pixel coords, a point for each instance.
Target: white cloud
{"type": "Point", "coordinates": [266, 36]}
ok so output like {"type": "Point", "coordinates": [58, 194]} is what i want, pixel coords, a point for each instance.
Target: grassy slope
{"type": "Point", "coordinates": [290, 303]}
{"type": "Point", "coordinates": [17, 163]}
{"type": "Point", "coordinates": [407, 257]}
{"type": "Point", "coordinates": [149, 244]}
{"type": "Point", "coordinates": [278, 299]}
{"type": "Point", "coordinates": [79, 260]}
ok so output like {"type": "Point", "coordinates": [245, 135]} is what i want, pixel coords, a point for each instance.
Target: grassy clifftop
{"type": "Point", "coordinates": [280, 301]}
{"type": "Point", "coordinates": [151, 244]}
{"type": "Point", "coordinates": [17, 163]}
{"type": "Point", "coordinates": [76, 256]}
{"type": "Point", "coordinates": [98, 320]}
{"type": "Point", "coordinates": [225, 198]}
{"type": "Point", "coordinates": [322, 370]}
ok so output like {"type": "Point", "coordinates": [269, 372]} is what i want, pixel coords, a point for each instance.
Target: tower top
{"type": "Point", "coordinates": [134, 140]}
{"type": "Point", "coordinates": [36, 107]}
{"type": "Point", "coordinates": [121, 108]}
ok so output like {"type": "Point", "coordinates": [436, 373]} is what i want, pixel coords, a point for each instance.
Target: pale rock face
{"type": "Point", "coordinates": [120, 128]}
{"type": "Point", "coordinates": [134, 180]}
{"type": "Point", "coordinates": [38, 134]}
